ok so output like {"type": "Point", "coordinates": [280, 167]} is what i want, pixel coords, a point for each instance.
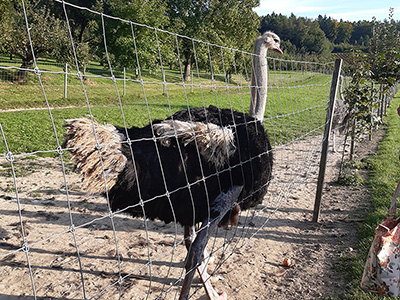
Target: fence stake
{"type": "Point", "coordinates": [381, 102]}
{"type": "Point", "coordinates": [124, 89]}
{"type": "Point", "coordinates": [191, 87]}
{"type": "Point", "coordinates": [65, 80]}
{"type": "Point", "coordinates": [164, 82]}
{"type": "Point", "coordinates": [371, 109]}
{"type": "Point", "coordinates": [385, 103]}
{"type": "Point", "coordinates": [325, 143]}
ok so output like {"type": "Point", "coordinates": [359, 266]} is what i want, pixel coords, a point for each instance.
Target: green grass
{"type": "Point", "coordinates": [384, 176]}
{"type": "Point", "coordinates": [291, 113]}
{"type": "Point", "coordinates": [101, 91]}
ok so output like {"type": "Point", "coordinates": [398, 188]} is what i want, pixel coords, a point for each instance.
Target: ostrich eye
{"type": "Point", "coordinates": [276, 40]}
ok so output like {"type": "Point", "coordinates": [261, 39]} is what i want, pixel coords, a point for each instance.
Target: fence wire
{"type": "Point", "coordinates": [62, 243]}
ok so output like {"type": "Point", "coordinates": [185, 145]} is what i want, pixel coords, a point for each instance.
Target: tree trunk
{"type": "Point", "coordinates": [22, 73]}
{"type": "Point", "coordinates": [84, 71]}
{"type": "Point", "coordinates": [228, 77]}
{"type": "Point", "coordinates": [187, 64]}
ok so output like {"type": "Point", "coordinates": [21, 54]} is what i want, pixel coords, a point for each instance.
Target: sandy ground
{"type": "Point", "coordinates": [125, 258]}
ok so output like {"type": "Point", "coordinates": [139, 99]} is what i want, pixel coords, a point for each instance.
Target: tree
{"type": "Point", "coordinates": [384, 52]}
{"type": "Point", "coordinates": [119, 35]}
{"type": "Point", "coordinates": [329, 27]}
{"type": "Point", "coordinates": [344, 32]}
{"type": "Point", "coordinates": [362, 31]}
{"type": "Point", "coordinates": [45, 30]}
{"type": "Point", "coordinates": [80, 24]}
{"type": "Point", "coordinates": [303, 33]}
{"type": "Point", "coordinates": [6, 10]}
{"type": "Point", "coordinates": [380, 65]}
{"type": "Point", "coordinates": [231, 23]}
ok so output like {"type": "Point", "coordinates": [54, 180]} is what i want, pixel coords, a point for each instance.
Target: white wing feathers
{"type": "Point", "coordinates": [215, 143]}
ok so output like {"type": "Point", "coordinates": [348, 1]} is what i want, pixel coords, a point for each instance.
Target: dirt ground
{"type": "Point", "coordinates": [247, 260]}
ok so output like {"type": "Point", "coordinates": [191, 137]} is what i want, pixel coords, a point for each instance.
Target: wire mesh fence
{"type": "Point", "coordinates": [60, 242]}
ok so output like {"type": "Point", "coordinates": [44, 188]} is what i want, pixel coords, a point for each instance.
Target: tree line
{"type": "Point", "coordinates": [320, 37]}
{"type": "Point", "coordinates": [231, 23]}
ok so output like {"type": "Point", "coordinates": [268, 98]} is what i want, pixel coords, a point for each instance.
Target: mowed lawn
{"type": "Point", "coordinates": [34, 111]}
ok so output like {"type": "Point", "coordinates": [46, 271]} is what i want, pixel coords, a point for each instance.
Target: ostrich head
{"type": "Point", "coordinates": [268, 41]}
{"type": "Point", "coordinates": [271, 41]}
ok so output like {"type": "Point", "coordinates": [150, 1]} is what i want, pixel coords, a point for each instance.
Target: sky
{"type": "Point", "coordinates": [353, 10]}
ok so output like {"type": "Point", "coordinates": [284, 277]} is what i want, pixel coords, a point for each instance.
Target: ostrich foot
{"type": "Point", "coordinates": [222, 296]}
{"type": "Point", "coordinates": [216, 278]}
{"type": "Point", "coordinates": [206, 279]}
{"type": "Point", "coordinates": [215, 296]}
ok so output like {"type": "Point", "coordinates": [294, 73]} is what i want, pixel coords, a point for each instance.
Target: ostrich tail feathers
{"type": "Point", "coordinates": [96, 153]}
{"type": "Point", "coordinates": [216, 144]}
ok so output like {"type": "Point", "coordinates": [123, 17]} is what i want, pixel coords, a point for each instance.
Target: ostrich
{"type": "Point", "coordinates": [200, 166]}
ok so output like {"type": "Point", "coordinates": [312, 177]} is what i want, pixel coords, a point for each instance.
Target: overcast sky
{"type": "Point", "coordinates": [354, 10]}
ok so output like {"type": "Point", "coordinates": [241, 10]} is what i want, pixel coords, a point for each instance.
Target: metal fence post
{"type": "Point", "coordinates": [325, 142]}
{"type": "Point", "coordinates": [65, 80]}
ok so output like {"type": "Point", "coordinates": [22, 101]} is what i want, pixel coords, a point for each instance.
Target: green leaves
{"type": "Point", "coordinates": [381, 65]}
{"type": "Point", "coordinates": [44, 28]}
{"type": "Point", "coordinates": [384, 51]}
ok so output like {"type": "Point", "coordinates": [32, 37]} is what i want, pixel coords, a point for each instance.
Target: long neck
{"type": "Point", "coordinates": [259, 81]}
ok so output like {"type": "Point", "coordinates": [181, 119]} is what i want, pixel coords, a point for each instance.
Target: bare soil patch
{"type": "Point", "coordinates": [248, 260]}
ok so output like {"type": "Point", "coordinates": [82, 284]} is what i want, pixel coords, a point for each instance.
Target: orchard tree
{"type": "Point", "coordinates": [6, 10]}
{"type": "Point", "coordinates": [44, 28]}
{"type": "Point", "coordinates": [384, 52]}
{"type": "Point", "coordinates": [119, 34]}
{"type": "Point", "coordinates": [380, 65]}
{"type": "Point", "coordinates": [80, 23]}
{"type": "Point", "coordinates": [231, 23]}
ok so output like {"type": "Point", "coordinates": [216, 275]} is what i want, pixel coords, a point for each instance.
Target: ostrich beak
{"type": "Point", "coordinates": [276, 48]}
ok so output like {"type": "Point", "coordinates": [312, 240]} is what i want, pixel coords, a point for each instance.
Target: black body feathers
{"type": "Point", "coordinates": [192, 182]}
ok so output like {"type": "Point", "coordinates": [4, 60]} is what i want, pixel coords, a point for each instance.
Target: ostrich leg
{"type": "Point", "coordinates": [190, 235]}
{"type": "Point", "coordinates": [222, 205]}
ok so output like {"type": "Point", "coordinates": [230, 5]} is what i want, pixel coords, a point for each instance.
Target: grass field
{"type": "Point", "coordinates": [296, 106]}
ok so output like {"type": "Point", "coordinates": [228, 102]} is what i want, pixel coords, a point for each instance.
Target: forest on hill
{"type": "Point", "coordinates": [320, 37]}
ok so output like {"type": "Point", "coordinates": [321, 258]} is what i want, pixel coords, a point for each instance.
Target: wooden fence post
{"type": "Point", "coordinates": [65, 80]}
{"type": "Point", "coordinates": [352, 140]}
{"type": "Point", "coordinates": [385, 103]}
{"type": "Point", "coordinates": [164, 83]}
{"type": "Point", "coordinates": [191, 86]}
{"type": "Point", "coordinates": [381, 102]}
{"type": "Point", "coordinates": [325, 143]}
{"type": "Point", "coordinates": [371, 111]}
